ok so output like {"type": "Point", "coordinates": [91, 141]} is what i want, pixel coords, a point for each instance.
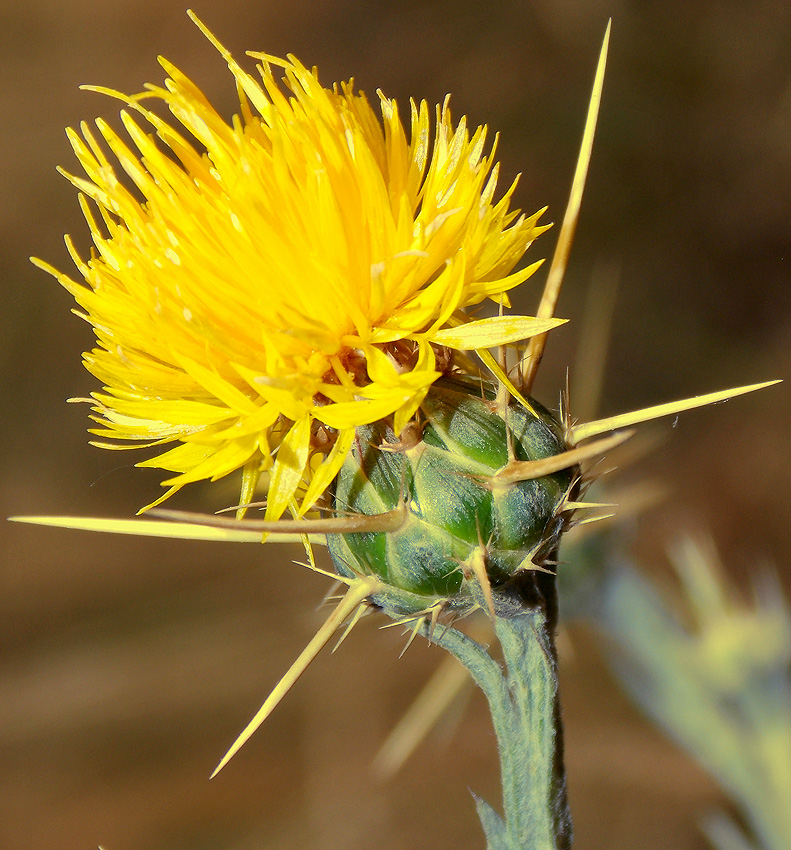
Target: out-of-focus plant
{"type": "Point", "coordinates": [714, 671]}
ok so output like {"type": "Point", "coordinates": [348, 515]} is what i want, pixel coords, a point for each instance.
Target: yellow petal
{"type": "Point", "coordinates": [325, 474]}
{"type": "Point", "coordinates": [292, 458]}
{"type": "Point", "coordinates": [498, 330]}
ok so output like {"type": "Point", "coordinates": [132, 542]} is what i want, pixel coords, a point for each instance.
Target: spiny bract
{"type": "Point", "coordinates": [457, 510]}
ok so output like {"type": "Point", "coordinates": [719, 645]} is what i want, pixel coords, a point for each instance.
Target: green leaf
{"type": "Point", "coordinates": [493, 826]}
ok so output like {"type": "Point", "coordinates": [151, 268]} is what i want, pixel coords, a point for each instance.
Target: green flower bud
{"type": "Point", "coordinates": [456, 508]}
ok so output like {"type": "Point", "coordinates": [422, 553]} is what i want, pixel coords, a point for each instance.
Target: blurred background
{"type": "Point", "coordinates": [129, 666]}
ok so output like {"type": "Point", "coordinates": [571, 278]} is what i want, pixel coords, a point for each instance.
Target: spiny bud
{"type": "Point", "coordinates": [458, 514]}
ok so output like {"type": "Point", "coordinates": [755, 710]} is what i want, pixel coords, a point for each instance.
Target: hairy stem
{"type": "Point", "coordinates": [523, 700]}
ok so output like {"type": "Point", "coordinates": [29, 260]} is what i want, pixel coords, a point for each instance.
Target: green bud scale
{"type": "Point", "coordinates": [456, 508]}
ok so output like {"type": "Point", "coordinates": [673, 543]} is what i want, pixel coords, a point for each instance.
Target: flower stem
{"type": "Point", "coordinates": [523, 700]}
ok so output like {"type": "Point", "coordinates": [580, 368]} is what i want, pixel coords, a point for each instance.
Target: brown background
{"type": "Point", "coordinates": [128, 666]}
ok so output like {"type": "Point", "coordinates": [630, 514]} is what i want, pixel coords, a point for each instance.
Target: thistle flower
{"type": "Point", "coordinates": [260, 288]}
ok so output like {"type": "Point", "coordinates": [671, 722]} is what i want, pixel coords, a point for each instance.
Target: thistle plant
{"type": "Point", "coordinates": [292, 298]}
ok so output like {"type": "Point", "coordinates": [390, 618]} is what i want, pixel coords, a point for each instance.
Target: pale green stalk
{"type": "Point", "coordinates": [523, 701]}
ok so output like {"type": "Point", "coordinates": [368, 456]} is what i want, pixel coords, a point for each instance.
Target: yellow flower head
{"type": "Point", "coordinates": [258, 289]}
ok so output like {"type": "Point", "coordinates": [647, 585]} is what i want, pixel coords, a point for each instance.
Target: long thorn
{"type": "Point", "coordinates": [237, 532]}
{"type": "Point", "coordinates": [527, 470]}
{"type": "Point", "coordinates": [546, 309]}
{"type": "Point", "coordinates": [354, 596]}
{"type": "Point", "coordinates": [389, 521]}
{"type": "Point", "coordinates": [600, 426]}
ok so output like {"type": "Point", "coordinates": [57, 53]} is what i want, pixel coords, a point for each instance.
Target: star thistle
{"type": "Point", "coordinates": [289, 295]}
{"type": "Point", "coordinates": [260, 288]}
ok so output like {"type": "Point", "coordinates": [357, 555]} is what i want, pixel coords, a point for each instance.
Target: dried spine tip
{"type": "Point", "coordinates": [458, 514]}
